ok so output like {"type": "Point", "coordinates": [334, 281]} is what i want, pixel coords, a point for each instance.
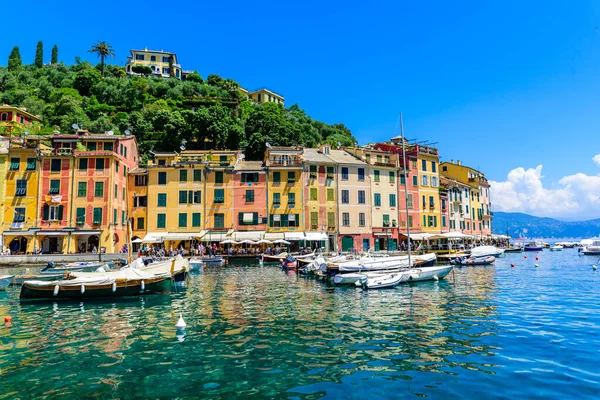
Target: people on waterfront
{"type": "Point", "coordinates": [95, 250]}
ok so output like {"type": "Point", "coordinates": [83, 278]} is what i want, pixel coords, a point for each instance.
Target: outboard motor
{"type": "Point", "coordinates": [50, 265]}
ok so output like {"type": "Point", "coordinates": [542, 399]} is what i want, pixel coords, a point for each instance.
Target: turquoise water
{"type": "Point", "coordinates": [496, 332]}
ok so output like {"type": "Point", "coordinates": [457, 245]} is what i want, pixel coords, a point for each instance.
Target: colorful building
{"type": "Point", "coordinates": [354, 202]}
{"type": "Point", "coordinates": [429, 182]}
{"type": "Point", "coordinates": [4, 145]}
{"type": "Point", "coordinates": [320, 198]}
{"type": "Point", "coordinates": [161, 63]}
{"type": "Point", "coordinates": [285, 211]}
{"type": "Point", "coordinates": [137, 204]}
{"type": "Point", "coordinates": [249, 200]}
{"type": "Point", "coordinates": [458, 203]}
{"type": "Point", "coordinates": [13, 119]}
{"type": "Point", "coordinates": [265, 96]}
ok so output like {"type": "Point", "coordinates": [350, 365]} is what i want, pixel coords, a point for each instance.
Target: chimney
{"type": "Point", "coordinates": [452, 161]}
{"type": "Point", "coordinates": [457, 162]}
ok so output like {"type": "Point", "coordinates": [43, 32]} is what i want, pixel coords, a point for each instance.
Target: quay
{"type": "Point", "coordinates": [43, 259]}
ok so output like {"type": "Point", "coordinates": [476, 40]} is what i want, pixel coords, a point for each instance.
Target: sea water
{"type": "Point", "coordinates": [484, 332]}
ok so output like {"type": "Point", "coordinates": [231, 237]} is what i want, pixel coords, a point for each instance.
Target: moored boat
{"type": "Point", "coordinates": [19, 279]}
{"type": "Point", "coordinates": [177, 267]}
{"type": "Point", "coordinates": [484, 251]}
{"type": "Point", "coordinates": [556, 248]}
{"type": "Point", "coordinates": [52, 269]}
{"type": "Point", "coordinates": [428, 273]}
{"type": "Point", "coordinates": [276, 258]}
{"type": "Point", "coordinates": [518, 249]}
{"type": "Point", "coordinates": [385, 281]}
{"type": "Point", "coordinates": [5, 280]}
{"type": "Point", "coordinates": [534, 246]}
{"type": "Point", "coordinates": [591, 249]}
{"type": "Point", "coordinates": [478, 260]}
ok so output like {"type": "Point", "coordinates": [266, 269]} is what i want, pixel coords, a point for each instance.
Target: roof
{"type": "Point", "coordinates": [266, 90]}
{"type": "Point", "coordinates": [138, 171]}
{"type": "Point", "coordinates": [22, 110]}
{"type": "Point", "coordinates": [163, 153]}
{"type": "Point", "coordinates": [315, 156]}
{"type": "Point", "coordinates": [249, 166]}
{"type": "Point", "coordinates": [343, 157]}
{"type": "Point", "coordinates": [153, 51]}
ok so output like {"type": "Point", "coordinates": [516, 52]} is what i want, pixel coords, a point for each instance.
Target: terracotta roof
{"type": "Point", "coordinates": [249, 166]}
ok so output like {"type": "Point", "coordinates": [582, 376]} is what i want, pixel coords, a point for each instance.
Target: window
{"type": "Point", "coordinates": [292, 199]}
{"type": "Point", "coordinates": [81, 189]}
{"type": "Point", "coordinates": [376, 175]}
{"type": "Point", "coordinates": [165, 70]}
{"type": "Point", "coordinates": [434, 181]}
{"type": "Point", "coordinates": [415, 180]}
{"type": "Point", "coordinates": [410, 221]}
{"type": "Point", "coordinates": [161, 200]}
{"type": "Point", "coordinates": [55, 213]}
{"type": "Point", "coordinates": [433, 166]}
{"type": "Point", "coordinates": [183, 197]}
{"type": "Point", "coordinates": [377, 200]}
{"type": "Point", "coordinates": [386, 220]}
{"type": "Point", "coordinates": [431, 202]}
{"type": "Point", "coordinates": [4, 117]}
{"type": "Point", "coordinates": [313, 171]}
{"type": "Point", "coordinates": [424, 180]}
{"type": "Point", "coordinates": [160, 161]}
{"type": "Point", "coordinates": [197, 197]}
{"type": "Point", "coordinates": [249, 177]}
{"type": "Point", "coordinates": [100, 164]}
{"type": "Point", "coordinates": [80, 216]}
{"type": "Point", "coordinates": [91, 146]}
{"type": "Point", "coordinates": [116, 191]}
{"type": "Point", "coordinates": [183, 220]}
{"type": "Point", "coordinates": [424, 220]}
{"type": "Point", "coordinates": [140, 180]}
{"type": "Point", "coordinates": [218, 176]}
{"type": "Point", "coordinates": [249, 196]}
{"type": "Point", "coordinates": [331, 219]}
{"type": "Point", "coordinates": [196, 220]}
{"type": "Point", "coordinates": [346, 219]}
{"type": "Point", "coordinates": [362, 198]}
{"type": "Point", "coordinates": [55, 166]}
{"type": "Point", "coordinates": [121, 149]}
{"type": "Point", "coordinates": [21, 188]}
{"type": "Point", "coordinates": [330, 172]}
{"type": "Point", "coordinates": [122, 217]}
{"type": "Point", "coordinates": [109, 146]}
{"type": "Point", "coordinates": [97, 216]}
{"type": "Point", "coordinates": [183, 175]}
{"type": "Point", "coordinates": [276, 177]}
{"type": "Point", "coordinates": [314, 220]}
{"type": "Point", "coordinates": [291, 177]}
{"type": "Point", "coordinates": [162, 178]}
{"type": "Point", "coordinates": [197, 175]}
{"type": "Point", "coordinates": [402, 179]}
{"type": "Point", "coordinates": [344, 173]}
{"type": "Point", "coordinates": [292, 220]}
{"type": "Point", "coordinates": [54, 186]}
{"type": "Point", "coordinates": [444, 168]}
{"type": "Point", "coordinates": [165, 59]}
{"type": "Point", "coordinates": [276, 220]}
{"type": "Point", "coordinates": [361, 174]}
{"type": "Point", "coordinates": [139, 57]}
{"type": "Point", "coordinates": [443, 221]}
{"type": "Point", "coordinates": [330, 195]}
{"type": "Point", "coordinates": [219, 196]}
{"type": "Point", "coordinates": [14, 164]}
{"type": "Point", "coordinates": [392, 200]}
{"type": "Point", "coordinates": [361, 219]}
{"type": "Point", "coordinates": [83, 164]}
{"type": "Point", "coordinates": [424, 165]}
{"type": "Point", "coordinates": [314, 194]}
{"type": "Point", "coordinates": [19, 215]}
{"type": "Point", "coordinates": [161, 221]}
{"type": "Point", "coordinates": [276, 199]}
{"type": "Point", "coordinates": [424, 201]}
{"type": "Point", "coordinates": [392, 175]}
{"type": "Point", "coordinates": [99, 189]}
{"type": "Point", "coordinates": [123, 193]}
{"type": "Point", "coordinates": [219, 220]}
{"type": "Point", "coordinates": [345, 196]}
{"type": "Point", "coordinates": [140, 223]}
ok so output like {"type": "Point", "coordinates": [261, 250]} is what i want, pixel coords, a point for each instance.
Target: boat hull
{"type": "Point", "coordinates": [5, 281]}
{"type": "Point", "coordinates": [428, 274]}
{"type": "Point", "coordinates": [130, 288]}
{"type": "Point", "coordinates": [514, 250]}
{"type": "Point", "coordinates": [536, 248]}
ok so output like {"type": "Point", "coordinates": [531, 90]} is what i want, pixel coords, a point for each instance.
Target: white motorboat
{"type": "Point", "coordinates": [5, 280]}
{"type": "Point", "coordinates": [428, 273]}
{"type": "Point", "coordinates": [485, 251]}
{"type": "Point", "coordinates": [350, 279]}
{"type": "Point", "coordinates": [159, 268]}
{"type": "Point", "coordinates": [52, 269]}
{"type": "Point", "coordinates": [385, 281]}
{"type": "Point", "coordinates": [556, 247]}
{"type": "Point", "coordinates": [592, 249]}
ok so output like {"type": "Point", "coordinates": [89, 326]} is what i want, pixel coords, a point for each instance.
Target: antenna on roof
{"type": "Point", "coordinates": [127, 132]}
{"type": "Point", "coordinates": [75, 126]}
{"type": "Point", "coordinates": [183, 142]}
{"type": "Point", "coordinates": [110, 133]}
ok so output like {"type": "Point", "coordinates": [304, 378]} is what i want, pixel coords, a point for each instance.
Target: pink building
{"type": "Point", "coordinates": [249, 200]}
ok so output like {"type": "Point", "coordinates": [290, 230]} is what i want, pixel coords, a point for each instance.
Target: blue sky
{"type": "Point", "coordinates": [499, 85]}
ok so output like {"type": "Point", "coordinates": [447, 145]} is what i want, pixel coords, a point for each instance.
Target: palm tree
{"type": "Point", "coordinates": [102, 49]}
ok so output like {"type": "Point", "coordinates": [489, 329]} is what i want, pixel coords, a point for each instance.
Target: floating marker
{"type": "Point", "coordinates": [82, 289]}
{"type": "Point", "coordinates": [524, 256]}
{"type": "Point", "coordinates": [594, 267]}
{"type": "Point", "coordinates": [181, 323]}
{"type": "Point", "coordinates": [536, 259]}
{"type": "Point", "coordinates": [8, 319]}
{"type": "Point", "coordinates": [114, 287]}
{"type": "Point", "coordinates": [55, 293]}
{"type": "Point", "coordinates": [537, 265]}
{"type": "Point", "coordinates": [143, 286]}
{"type": "Point", "coordinates": [435, 278]}
{"type": "Point", "coordinates": [512, 265]}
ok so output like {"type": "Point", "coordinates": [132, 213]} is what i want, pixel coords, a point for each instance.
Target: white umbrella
{"type": "Point", "coordinates": [248, 241]}
{"type": "Point", "coordinates": [281, 241]}
{"type": "Point", "coordinates": [137, 241]}
{"type": "Point", "coordinates": [229, 241]}
{"type": "Point", "coordinates": [263, 241]}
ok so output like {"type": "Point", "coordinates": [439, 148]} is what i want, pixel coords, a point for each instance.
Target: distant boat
{"type": "Point", "coordinates": [517, 249]}
{"type": "Point", "coordinates": [592, 249]}
{"type": "Point", "coordinates": [534, 246]}
{"type": "Point", "coordinates": [556, 247]}
{"type": "Point", "coordinates": [483, 251]}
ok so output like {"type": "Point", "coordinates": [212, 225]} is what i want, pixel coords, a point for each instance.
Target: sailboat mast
{"type": "Point", "coordinates": [405, 189]}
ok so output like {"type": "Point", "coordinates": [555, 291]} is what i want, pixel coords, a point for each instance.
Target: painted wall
{"type": "Point", "coordinates": [241, 203]}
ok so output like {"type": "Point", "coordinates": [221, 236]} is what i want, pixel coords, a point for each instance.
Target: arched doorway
{"type": "Point", "coordinates": [18, 245]}
{"type": "Point", "coordinates": [93, 243]}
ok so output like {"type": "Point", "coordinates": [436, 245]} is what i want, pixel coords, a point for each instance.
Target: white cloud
{"type": "Point", "coordinates": [576, 197]}
{"type": "Point", "coordinates": [597, 159]}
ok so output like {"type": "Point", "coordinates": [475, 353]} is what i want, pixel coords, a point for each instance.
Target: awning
{"type": "Point", "coordinates": [183, 235]}
{"type": "Point", "coordinates": [53, 233]}
{"type": "Point", "coordinates": [294, 236]}
{"type": "Point", "coordinates": [215, 237]}
{"type": "Point", "coordinates": [18, 233]}
{"type": "Point", "coordinates": [274, 236]}
{"type": "Point", "coordinates": [90, 232]}
{"type": "Point", "coordinates": [249, 235]}
{"type": "Point", "coordinates": [315, 236]}
{"type": "Point", "coordinates": [419, 236]}
{"type": "Point", "coordinates": [156, 237]}
{"type": "Point", "coordinates": [386, 234]}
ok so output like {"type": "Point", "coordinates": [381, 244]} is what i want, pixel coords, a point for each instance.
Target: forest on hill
{"type": "Point", "coordinates": [209, 112]}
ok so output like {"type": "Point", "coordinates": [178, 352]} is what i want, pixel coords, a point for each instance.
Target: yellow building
{"type": "Point", "coordinates": [4, 144]}
{"type": "Point", "coordinates": [161, 63]}
{"type": "Point", "coordinates": [16, 119]}
{"type": "Point", "coordinates": [285, 211]}
{"type": "Point", "coordinates": [266, 96]}
{"type": "Point", "coordinates": [429, 182]}
{"type": "Point", "coordinates": [137, 198]}
{"type": "Point", "coordinates": [20, 197]}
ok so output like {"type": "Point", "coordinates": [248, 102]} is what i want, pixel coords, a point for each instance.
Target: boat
{"type": "Point", "coordinates": [534, 246]}
{"type": "Point", "coordinates": [5, 280]}
{"type": "Point", "coordinates": [196, 263]}
{"type": "Point", "coordinates": [177, 267]}
{"type": "Point", "coordinates": [412, 274]}
{"type": "Point", "coordinates": [276, 258]}
{"type": "Point", "coordinates": [591, 249]}
{"type": "Point", "coordinates": [477, 260]}
{"type": "Point", "coordinates": [385, 281]}
{"type": "Point", "coordinates": [428, 273]}
{"type": "Point", "coordinates": [483, 251]}
{"type": "Point", "coordinates": [52, 269]}
{"type": "Point", "coordinates": [556, 247]}
{"type": "Point", "coordinates": [350, 279]}
{"type": "Point", "coordinates": [19, 279]}
{"type": "Point", "coordinates": [518, 249]}
{"type": "Point", "coordinates": [289, 262]}
{"type": "Point", "coordinates": [133, 283]}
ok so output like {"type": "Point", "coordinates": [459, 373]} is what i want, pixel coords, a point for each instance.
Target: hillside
{"type": "Point", "coordinates": [524, 225]}
{"type": "Point", "coordinates": [206, 113]}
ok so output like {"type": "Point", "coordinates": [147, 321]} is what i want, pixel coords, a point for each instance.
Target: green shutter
{"type": "Point", "coordinates": [255, 218]}
{"type": "Point", "coordinates": [140, 223]}
{"type": "Point", "coordinates": [183, 220]}
{"type": "Point", "coordinates": [392, 200]}
{"type": "Point", "coordinates": [276, 177]}
{"type": "Point", "coordinates": [314, 195]}
{"type": "Point", "coordinates": [195, 219]}
{"type": "Point", "coordinates": [249, 196]}
{"type": "Point", "coordinates": [291, 177]}
{"type": "Point", "coordinates": [276, 198]}
{"type": "Point", "coordinates": [100, 164]}
{"type": "Point", "coordinates": [46, 212]}
{"type": "Point", "coordinates": [314, 220]}
{"type": "Point", "coordinates": [392, 175]}
{"type": "Point", "coordinates": [162, 178]}
{"type": "Point", "coordinates": [30, 164]}
{"type": "Point", "coordinates": [60, 212]}
{"type": "Point", "coordinates": [376, 172]}
{"type": "Point", "coordinates": [115, 216]}
{"type": "Point", "coordinates": [330, 195]}
{"type": "Point", "coordinates": [55, 186]}
{"type": "Point", "coordinates": [218, 177]}
{"type": "Point", "coordinates": [81, 189]}
{"type": "Point", "coordinates": [292, 199]}
{"type": "Point", "coordinates": [183, 175]}
{"type": "Point", "coordinates": [415, 180]}
{"type": "Point", "coordinates": [183, 196]}
{"type": "Point", "coordinates": [99, 189]}
{"type": "Point", "coordinates": [161, 220]}
{"type": "Point", "coordinates": [197, 175]}
{"type": "Point", "coordinates": [116, 191]}
{"type": "Point", "coordinates": [330, 219]}
{"type": "Point", "coordinates": [377, 200]}
{"type": "Point", "coordinates": [97, 216]}
{"type": "Point", "coordinates": [162, 200]}
{"type": "Point", "coordinates": [219, 196]}
{"type": "Point", "coordinates": [80, 216]}
{"type": "Point", "coordinates": [122, 217]}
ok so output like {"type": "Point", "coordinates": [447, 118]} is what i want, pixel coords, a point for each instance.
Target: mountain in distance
{"type": "Point", "coordinates": [521, 225]}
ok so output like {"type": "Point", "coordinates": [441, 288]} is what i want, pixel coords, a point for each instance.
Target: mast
{"type": "Point", "coordinates": [405, 189]}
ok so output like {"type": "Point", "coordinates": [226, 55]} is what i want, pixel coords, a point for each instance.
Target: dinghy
{"type": "Point", "coordinates": [428, 273]}
{"type": "Point", "coordinates": [385, 281]}
{"type": "Point", "coordinates": [5, 280]}
{"type": "Point", "coordinates": [478, 260]}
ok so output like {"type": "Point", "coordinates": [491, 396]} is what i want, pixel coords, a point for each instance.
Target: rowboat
{"type": "Point", "coordinates": [52, 269]}
{"type": "Point", "coordinates": [277, 258]}
{"type": "Point", "coordinates": [385, 281]}
{"type": "Point", "coordinates": [178, 267]}
{"type": "Point", "coordinates": [556, 248]}
{"type": "Point", "coordinates": [131, 283]}
{"type": "Point", "coordinates": [350, 279]}
{"type": "Point", "coordinates": [5, 280]}
{"type": "Point", "coordinates": [428, 273]}
{"type": "Point", "coordinates": [478, 260]}
{"type": "Point", "coordinates": [196, 263]}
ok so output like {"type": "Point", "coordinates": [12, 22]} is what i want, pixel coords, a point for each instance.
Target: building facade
{"type": "Point", "coordinates": [249, 200]}
{"type": "Point", "coordinates": [163, 64]}
{"type": "Point", "coordinates": [429, 181]}
{"type": "Point", "coordinates": [16, 119]}
{"type": "Point", "coordinates": [265, 96]}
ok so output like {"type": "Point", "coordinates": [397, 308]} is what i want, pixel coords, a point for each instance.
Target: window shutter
{"type": "Point", "coordinates": [46, 212]}
{"type": "Point", "coordinates": [241, 218]}
{"type": "Point", "coordinates": [191, 197]}
{"type": "Point", "coordinates": [255, 218]}
{"type": "Point", "coordinates": [270, 220]}
{"type": "Point", "coordinates": [60, 212]}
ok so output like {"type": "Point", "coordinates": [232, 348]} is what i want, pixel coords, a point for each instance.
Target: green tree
{"type": "Point", "coordinates": [85, 80]}
{"type": "Point", "coordinates": [215, 80]}
{"type": "Point", "coordinates": [14, 59]}
{"type": "Point", "coordinates": [194, 77]}
{"type": "Point", "coordinates": [142, 69]}
{"type": "Point", "coordinates": [103, 50]}
{"type": "Point", "coordinates": [39, 55]}
{"type": "Point", "coordinates": [54, 59]}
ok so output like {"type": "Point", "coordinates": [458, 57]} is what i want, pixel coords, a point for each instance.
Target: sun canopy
{"type": "Point", "coordinates": [315, 236]}
{"type": "Point", "coordinates": [229, 241]}
{"type": "Point", "coordinates": [281, 241]}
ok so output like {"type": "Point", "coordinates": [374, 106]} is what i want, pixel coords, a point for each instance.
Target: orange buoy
{"type": "Point", "coordinates": [524, 256]}
{"type": "Point", "coordinates": [536, 259]}
{"type": "Point", "coordinates": [8, 319]}
{"type": "Point", "coordinates": [512, 265]}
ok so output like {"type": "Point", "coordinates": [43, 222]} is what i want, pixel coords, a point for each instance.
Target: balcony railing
{"type": "Point", "coordinates": [284, 162]}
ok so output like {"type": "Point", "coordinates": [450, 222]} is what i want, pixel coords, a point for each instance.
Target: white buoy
{"type": "Point", "coordinates": [143, 286]}
{"type": "Point", "coordinates": [56, 288]}
{"type": "Point", "coordinates": [181, 323]}
{"type": "Point", "coordinates": [82, 289]}
{"type": "Point", "coordinates": [594, 267]}
{"type": "Point", "coordinates": [435, 278]}
{"type": "Point", "coordinates": [114, 287]}
{"type": "Point", "coordinates": [537, 265]}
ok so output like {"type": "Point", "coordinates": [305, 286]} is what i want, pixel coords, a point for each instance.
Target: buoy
{"type": "Point", "coordinates": [536, 259]}
{"type": "Point", "coordinates": [512, 265]}
{"type": "Point", "coordinates": [537, 265]}
{"type": "Point", "coordinates": [114, 287]}
{"type": "Point", "coordinates": [181, 323]}
{"type": "Point", "coordinates": [8, 319]}
{"type": "Point", "coordinates": [435, 278]}
{"type": "Point", "coordinates": [143, 286]}
{"type": "Point", "coordinates": [55, 293]}
{"type": "Point", "coordinates": [524, 256]}
{"type": "Point", "coordinates": [82, 289]}
{"type": "Point", "coordinates": [357, 283]}
{"type": "Point", "coordinates": [594, 267]}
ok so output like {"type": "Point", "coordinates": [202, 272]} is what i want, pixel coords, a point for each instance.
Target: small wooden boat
{"type": "Point", "coordinates": [177, 267]}
{"type": "Point", "coordinates": [52, 269]}
{"type": "Point", "coordinates": [275, 258]}
{"type": "Point", "coordinates": [133, 284]}
{"type": "Point", "coordinates": [350, 279]}
{"type": "Point", "coordinates": [428, 273]}
{"type": "Point", "coordinates": [478, 260]}
{"type": "Point", "coordinates": [5, 281]}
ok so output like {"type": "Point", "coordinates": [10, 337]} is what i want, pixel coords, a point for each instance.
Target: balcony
{"type": "Point", "coordinates": [284, 162]}
{"type": "Point", "coordinates": [384, 164]}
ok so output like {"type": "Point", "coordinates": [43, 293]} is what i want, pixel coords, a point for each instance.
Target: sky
{"type": "Point", "coordinates": [509, 88]}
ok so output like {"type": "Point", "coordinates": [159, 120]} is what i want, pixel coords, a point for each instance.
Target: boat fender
{"type": "Point", "coordinates": [537, 265]}
{"type": "Point", "coordinates": [114, 287]}
{"type": "Point", "coordinates": [594, 267]}
{"type": "Point", "coordinates": [410, 277]}
{"type": "Point", "coordinates": [143, 286]}
{"type": "Point", "coordinates": [435, 278]}
{"type": "Point", "coordinates": [56, 288]}
{"type": "Point", "coordinates": [82, 289]}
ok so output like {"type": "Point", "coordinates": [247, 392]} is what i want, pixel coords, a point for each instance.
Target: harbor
{"type": "Point", "coordinates": [256, 331]}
